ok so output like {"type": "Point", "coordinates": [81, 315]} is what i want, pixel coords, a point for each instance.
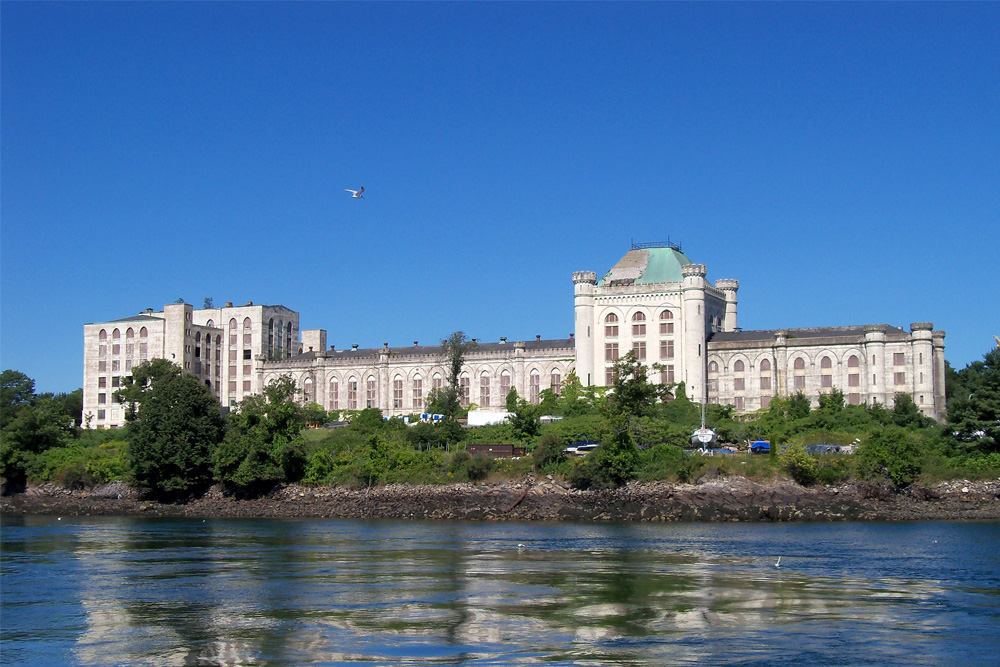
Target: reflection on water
{"type": "Point", "coordinates": [116, 591]}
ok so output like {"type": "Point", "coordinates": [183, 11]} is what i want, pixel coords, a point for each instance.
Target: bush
{"type": "Point", "coordinates": [549, 452]}
{"type": "Point", "coordinates": [800, 464]}
{"type": "Point", "coordinates": [890, 453]}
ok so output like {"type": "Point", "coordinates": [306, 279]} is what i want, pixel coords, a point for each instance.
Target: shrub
{"type": "Point", "coordinates": [549, 451]}
{"type": "Point", "coordinates": [890, 453]}
{"type": "Point", "coordinates": [800, 464]}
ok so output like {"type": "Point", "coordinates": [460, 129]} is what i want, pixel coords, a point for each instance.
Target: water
{"type": "Point", "coordinates": [127, 591]}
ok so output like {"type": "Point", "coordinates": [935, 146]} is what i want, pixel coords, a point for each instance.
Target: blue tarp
{"type": "Point", "coordinates": [760, 446]}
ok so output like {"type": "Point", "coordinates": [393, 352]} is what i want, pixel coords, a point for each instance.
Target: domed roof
{"type": "Point", "coordinates": [643, 266]}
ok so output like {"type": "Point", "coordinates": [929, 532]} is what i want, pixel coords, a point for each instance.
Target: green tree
{"type": "Point", "coordinates": [456, 346]}
{"type": "Point", "coordinates": [800, 464]}
{"type": "Point", "coordinates": [135, 386]}
{"type": "Point", "coordinates": [890, 453]}
{"type": "Point", "coordinates": [632, 395]}
{"type": "Point", "coordinates": [549, 452]}
{"type": "Point", "coordinates": [974, 411]}
{"type": "Point", "coordinates": [172, 436]}
{"type": "Point", "coordinates": [17, 391]}
{"type": "Point", "coordinates": [264, 444]}
{"type": "Point", "coordinates": [523, 422]}
{"type": "Point", "coordinates": [313, 415]}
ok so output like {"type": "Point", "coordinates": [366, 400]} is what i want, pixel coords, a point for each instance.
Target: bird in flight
{"type": "Point", "coordinates": [356, 194]}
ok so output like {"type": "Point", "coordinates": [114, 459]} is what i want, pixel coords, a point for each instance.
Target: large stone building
{"type": "Point", "coordinates": [224, 347]}
{"type": "Point", "coordinates": [654, 301]}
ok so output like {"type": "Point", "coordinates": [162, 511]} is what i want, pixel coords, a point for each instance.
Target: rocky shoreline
{"type": "Point", "coordinates": [719, 499]}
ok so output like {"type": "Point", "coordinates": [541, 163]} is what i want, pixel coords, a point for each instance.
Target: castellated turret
{"type": "Point", "coordinates": [585, 277]}
{"type": "Point", "coordinates": [584, 290]}
{"type": "Point", "coordinates": [692, 270]}
{"type": "Point", "coordinates": [728, 286]}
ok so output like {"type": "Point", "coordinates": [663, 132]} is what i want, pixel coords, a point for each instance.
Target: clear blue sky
{"type": "Point", "coordinates": [842, 161]}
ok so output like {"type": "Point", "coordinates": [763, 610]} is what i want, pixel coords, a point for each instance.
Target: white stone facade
{"type": "Point", "coordinates": [223, 347]}
{"type": "Point", "coordinates": [654, 301]}
{"type": "Point", "coordinates": [398, 380]}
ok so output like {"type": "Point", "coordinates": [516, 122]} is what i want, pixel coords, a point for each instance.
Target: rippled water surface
{"type": "Point", "coordinates": [122, 591]}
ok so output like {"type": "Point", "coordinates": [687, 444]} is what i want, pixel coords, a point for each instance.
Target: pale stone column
{"type": "Point", "coordinates": [940, 399]}
{"type": "Point", "coordinates": [694, 330]}
{"type": "Point", "coordinates": [922, 350]}
{"type": "Point", "coordinates": [875, 362]}
{"type": "Point", "coordinates": [583, 294]}
{"type": "Point", "coordinates": [729, 288]}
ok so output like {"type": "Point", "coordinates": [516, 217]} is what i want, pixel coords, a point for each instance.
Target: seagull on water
{"type": "Point", "coordinates": [356, 194]}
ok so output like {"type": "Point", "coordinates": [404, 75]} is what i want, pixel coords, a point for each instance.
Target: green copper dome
{"type": "Point", "coordinates": [643, 266]}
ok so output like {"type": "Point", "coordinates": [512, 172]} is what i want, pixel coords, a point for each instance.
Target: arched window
{"type": "Point", "coordinates": [484, 390]}
{"type": "Point", "coordinates": [738, 366]}
{"type": "Point", "coordinates": [307, 390]}
{"type": "Point", "coordinates": [371, 397]}
{"type": "Point", "coordinates": [555, 382]}
{"type": "Point", "coordinates": [853, 362]}
{"type": "Point", "coordinates": [352, 393]}
{"type": "Point", "coordinates": [765, 365]}
{"type": "Point", "coordinates": [765, 379]}
{"type": "Point", "coordinates": [739, 382]}
{"type": "Point", "coordinates": [334, 394]}
{"type": "Point", "coordinates": [129, 333]}
{"type": "Point", "coordinates": [666, 323]}
{"type": "Point", "coordinates": [799, 373]}
{"type": "Point", "coordinates": [826, 372]}
{"type": "Point", "coordinates": [103, 335]}
{"type": "Point", "coordinates": [210, 324]}
{"type": "Point", "coordinates": [232, 333]}
{"type": "Point", "coordinates": [247, 324]}
{"type": "Point", "coordinates": [397, 392]}
{"type": "Point", "coordinates": [463, 390]}
{"type": "Point", "coordinates": [197, 336]}
{"type": "Point", "coordinates": [504, 384]}
{"type": "Point", "coordinates": [713, 367]}
{"type": "Point", "coordinates": [534, 387]}
{"type": "Point", "coordinates": [611, 325]}
{"type": "Point", "coordinates": [116, 335]}
{"type": "Point", "coordinates": [418, 392]}
{"type": "Point", "coordinates": [639, 324]}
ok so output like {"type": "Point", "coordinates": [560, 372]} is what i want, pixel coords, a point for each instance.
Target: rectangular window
{"type": "Point", "coordinates": [247, 355]}
{"type": "Point", "coordinates": [102, 398]}
{"type": "Point", "coordinates": [102, 382]}
{"type": "Point", "coordinates": [129, 349]}
{"type": "Point", "coordinates": [438, 383]}
{"type": "Point", "coordinates": [247, 339]}
{"type": "Point", "coordinates": [800, 382]}
{"type": "Point", "coordinates": [102, 350]}
{"type": "Point", "coordinates": [534, 388]}
{"type": "Point", "coordinates": [609, 377]}
{"type": "Point", "coordinates": [739, 384]}
{"type": "Point", "coordinates": [765, 383]}
{"type": "Point", "coordinates": [899, 378]}
{"type": "Point", "coordinates": [713, 386]}
{"type": "Point", "coordinates": [826, 381]}
{"type": "Point", "coordinates": [666, 328]}
{"type": "Point", "coordinates": [232, 386]}
{"type": "Point", "coordinates": [853, 380]}
{"type": "Point", "coordinates": [418, 394]}
{"type": "Point", "coordinates": [246, 369]}
{"type": "Point", "coordinates": [232, 340]}
{"type": "Point", "coordinates": [555, 383]}
{"type": "Point", "coordinates": [197, 352]}
{"type": "Point", "coordinates": [854, 398]}
{"type": "Point", "coordinates": [740, 403]}
{"type": "Point", "coordinates": [611, 331]}
{"type": "Point", "coordinates": [128, 364]}
{"type": "Point", "coordinates": [765, 402]}
{"type": "Point", "coordinates": [397, 393]}
{"type": "Point", "coordinates": [100, 414]}
{"type": "Point", "coordinates": [484, 391]}
{"type": "Point", "coordinates": [102, 366]}
{"type": "Point", "coordinates": [898, 359]}
{"type": "Point", "coordinates": [116, 381]}
{"type": "Point", "coordinates": [639, 347]}
{"type": "Point", "coordinates": [246, 386]}
{"type": "Point", "coordinates": [232, 355]}
{"type": "Point", "coordinates": [116, 349]}
{"type": "Point", "coordinates": [116, 366]}
{"type": "Point", "coordinates": [610, 351]}
{"type": "Point", "coordinates": [639, 329]}
{"type": "Point", "coordinates": [666, 349]}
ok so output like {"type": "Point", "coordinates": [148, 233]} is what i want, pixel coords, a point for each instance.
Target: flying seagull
{"type": "Point", "coordinates": [356, 194]}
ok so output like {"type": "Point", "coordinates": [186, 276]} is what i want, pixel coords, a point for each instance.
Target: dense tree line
{"type": "Point", "coordinates": [177, 441]}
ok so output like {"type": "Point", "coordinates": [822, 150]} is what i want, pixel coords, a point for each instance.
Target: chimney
{"type": "Point", "coordinates": [538, 337]}
{"type": "Point", "coordinates": [385, 345]}
{"type": "Point", "coordinates": [333, 348]}
{"type": "Point", "coordinates": [310, 348]}
{"type": "Point", "coordinates": [503, 339]}
{"type": "Point", "coordinates": [571, 336]}
{"type": "Point", "coordinates": [473, 340]}
{"type": "Point", "coordinates": [229, 304]}
{"type": "Point", "coordinates": [415, 344]}
{"type": "Point", "coordinates": [249, 303]}
{"type": "Point", "coordinates": [354, 346]}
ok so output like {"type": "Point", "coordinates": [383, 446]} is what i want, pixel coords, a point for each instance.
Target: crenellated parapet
{"type": "Point", "coordinates": [921, 326]}
{"type": "Point", "coordinates": [694, 270]}
{"type": "Point", "coordinates": [584, 277]}
{"type": "Point", "coordinates": [727, 284]}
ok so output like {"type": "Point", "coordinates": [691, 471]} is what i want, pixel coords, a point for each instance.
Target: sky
{"type": "Point", "coordinates": [841, 160]}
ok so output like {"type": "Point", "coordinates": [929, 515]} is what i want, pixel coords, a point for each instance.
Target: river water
{"type": "Point", "coordinates": [129, 591]}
